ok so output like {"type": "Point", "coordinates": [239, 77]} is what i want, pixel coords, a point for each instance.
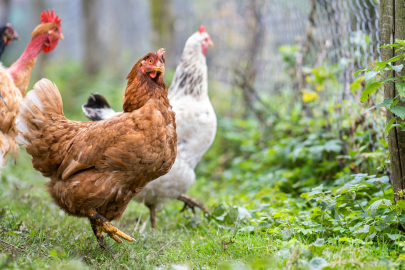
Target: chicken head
{"type": "Point", "coordinates": [49, 32]}
{"type": "Point", "coordinates": [154, 65]}
{"type": "Point", "coordinates": [205, 39]}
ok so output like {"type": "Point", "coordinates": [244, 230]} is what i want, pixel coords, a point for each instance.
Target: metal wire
{"type": "Point", "coordinates": [342, 32]}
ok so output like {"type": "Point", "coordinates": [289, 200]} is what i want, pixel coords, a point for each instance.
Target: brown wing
{"type": "Point", "coordinates": [127, 142]}
{"type": "Point", "coordinates": [86, 148]}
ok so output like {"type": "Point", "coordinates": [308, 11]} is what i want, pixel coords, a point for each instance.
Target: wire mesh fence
{"type": "Point", "coordinates": [247, 35]}
{"type": "Point", "coordinates": [250, 34]}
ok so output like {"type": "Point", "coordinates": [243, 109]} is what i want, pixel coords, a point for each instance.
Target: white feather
{"type": "Point", "coordinates": [32, 95]}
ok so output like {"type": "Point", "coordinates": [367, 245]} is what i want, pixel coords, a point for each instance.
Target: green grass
{"type": "Point", "coordinates": [43, 237]}
{"type": "Point", "coordinates": [262, 170]}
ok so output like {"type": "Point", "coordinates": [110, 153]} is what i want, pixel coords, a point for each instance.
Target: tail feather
{"type": "Point", "coordinates": [97, 108]}
{"type": "Point", "coordinates": [40, 105]}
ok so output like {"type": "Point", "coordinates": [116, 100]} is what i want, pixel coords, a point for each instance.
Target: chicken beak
{"type": "Point", "coordinates": [159, 68]}
{"type": "Point", "coordinates": [211, 44]}
{"type": "Point", "coordinates": [61, 36]}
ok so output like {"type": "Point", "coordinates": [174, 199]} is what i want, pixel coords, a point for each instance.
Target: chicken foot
{"type": "Point", "coordinates": [99, 235]}
{"type": "Point", "coordinates": [191, 202]}
{"type": "Point", "coordinates": [100, 224]}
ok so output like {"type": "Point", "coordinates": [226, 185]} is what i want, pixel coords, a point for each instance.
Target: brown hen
{"type": "Point", "coordinates": [96, 168]}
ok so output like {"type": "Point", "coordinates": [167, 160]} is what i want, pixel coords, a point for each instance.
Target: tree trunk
{"type": "Point", "coordinates": [92, 55]}
{"type": "Point", "coordinates": [392, 27]}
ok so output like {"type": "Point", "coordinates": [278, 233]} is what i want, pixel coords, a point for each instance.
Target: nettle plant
{"type": "Point", "coordinates": [377, 74]}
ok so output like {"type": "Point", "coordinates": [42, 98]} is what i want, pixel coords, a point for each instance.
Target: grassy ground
{"type": "Point", "coordinates": [35, 234]}
{"type": "Point", "coordinates": [281, 231]}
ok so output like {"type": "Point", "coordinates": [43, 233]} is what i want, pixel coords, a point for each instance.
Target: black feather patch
{"type": "Point", "coordinates": [96, 101]}
{"type": "Point", "coordinates": [97, 108]}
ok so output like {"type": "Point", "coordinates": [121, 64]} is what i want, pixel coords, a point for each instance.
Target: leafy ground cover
{"type": "Point", "coordinates": [306, 189]}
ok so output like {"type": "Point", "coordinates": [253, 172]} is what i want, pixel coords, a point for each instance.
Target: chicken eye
{"type": "Point", "coordinates": [150, 61]}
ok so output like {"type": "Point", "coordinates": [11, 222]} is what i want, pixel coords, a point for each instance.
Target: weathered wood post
{"type": "Point", "coordinates": [392, 14]}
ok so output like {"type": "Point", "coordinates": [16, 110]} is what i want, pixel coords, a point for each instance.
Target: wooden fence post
{"type": "Point", "coordinates": [392, 14]}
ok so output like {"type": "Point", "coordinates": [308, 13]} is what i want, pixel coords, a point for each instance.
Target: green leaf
{"type": "Point", "coordinates": [319, 242]}
{"type": "Point", "coordinates": [370, 74]}
{"type": "Point", "coordinates": [313, 193]}
{"type": "Point", "coordinates": [381, 64]}
{"type": "Point", "coordinates": [401, 89]}
{"type": "Point", "coordinates": [219, 210]}
{"type": "Point", "coordinates": [317, 263]}
{"type": "Point", "coordinates": [394, 237]}
{"type": "Point", "coordinates": [344, 239]}
{"type": "Point", "coordinates": [358, 72]}
{"type": "Point", "coordinates": [53, 253]}
{"type": "Point", "coordinates": [323, 205]}
{"type": "Point", "coordinates": [389, 46]}
{"type": "Point", "coordinates": [401, 203]}
{"type": "Point", "coordinates": [320, 187]}
{"type": "Point", "coordinates": [389, 217]}
{"type": "Point", "coordinates": [351, 195]}
{"type": "Point", "coordinates": [373, 208]}
{"type": "Point", "coordinates": [397, 68]}
{"type": "Point", "coordinates": [232, 215]}
{"type": "Point", "coordinates": [396, 58]}
{"type": "Point", "coordinates": [386, 103]}
{"type": "Point", "coordinates": [369, 90]}
{"type": "Point", "coordinates": [371, 236]}
{"type": "Point", "coordinates": [389, 125]}
{"type": "Point", "coordinates": [356, 84]}
{"type": "Point", "coordinates": [336, 213]}
{"type": "Point", "coordinates": [333, 146]}
{"type": "Point", "coordinates": [364, 229]}
{"type": "Point", "coordinates": [389, 79]}
{"type": "Point", "coordinates": [398, 111]}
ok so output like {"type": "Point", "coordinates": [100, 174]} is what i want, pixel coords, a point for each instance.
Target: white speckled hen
{"type": "Point", "coordinates": [196, 126]}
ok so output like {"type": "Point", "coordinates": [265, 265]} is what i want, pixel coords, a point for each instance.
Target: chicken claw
{"type": "Point", "coordinates": [101, 224]}
{"type": "Point", "coordinates": [191, 202]}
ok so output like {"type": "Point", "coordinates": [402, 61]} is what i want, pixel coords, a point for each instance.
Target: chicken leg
{"type": "Point", "coordinates": [191, 202]}
{"type": "Point", "coordinates": [153, 218]}
{"type": "Point", "coordinates": [99, 235]}
{"type": "Point", "coordinates": [100, 224]}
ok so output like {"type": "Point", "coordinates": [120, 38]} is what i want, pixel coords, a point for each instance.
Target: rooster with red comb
{"type": "Point", "coordinates": [14, 80]}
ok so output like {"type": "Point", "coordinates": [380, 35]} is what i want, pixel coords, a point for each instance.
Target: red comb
{"type": "Point", "coordinates": [202, 29]}
{"type": "Point", "coordinates": [47, 17]}
{"type": "Point", "coordinates": [160, 52]}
